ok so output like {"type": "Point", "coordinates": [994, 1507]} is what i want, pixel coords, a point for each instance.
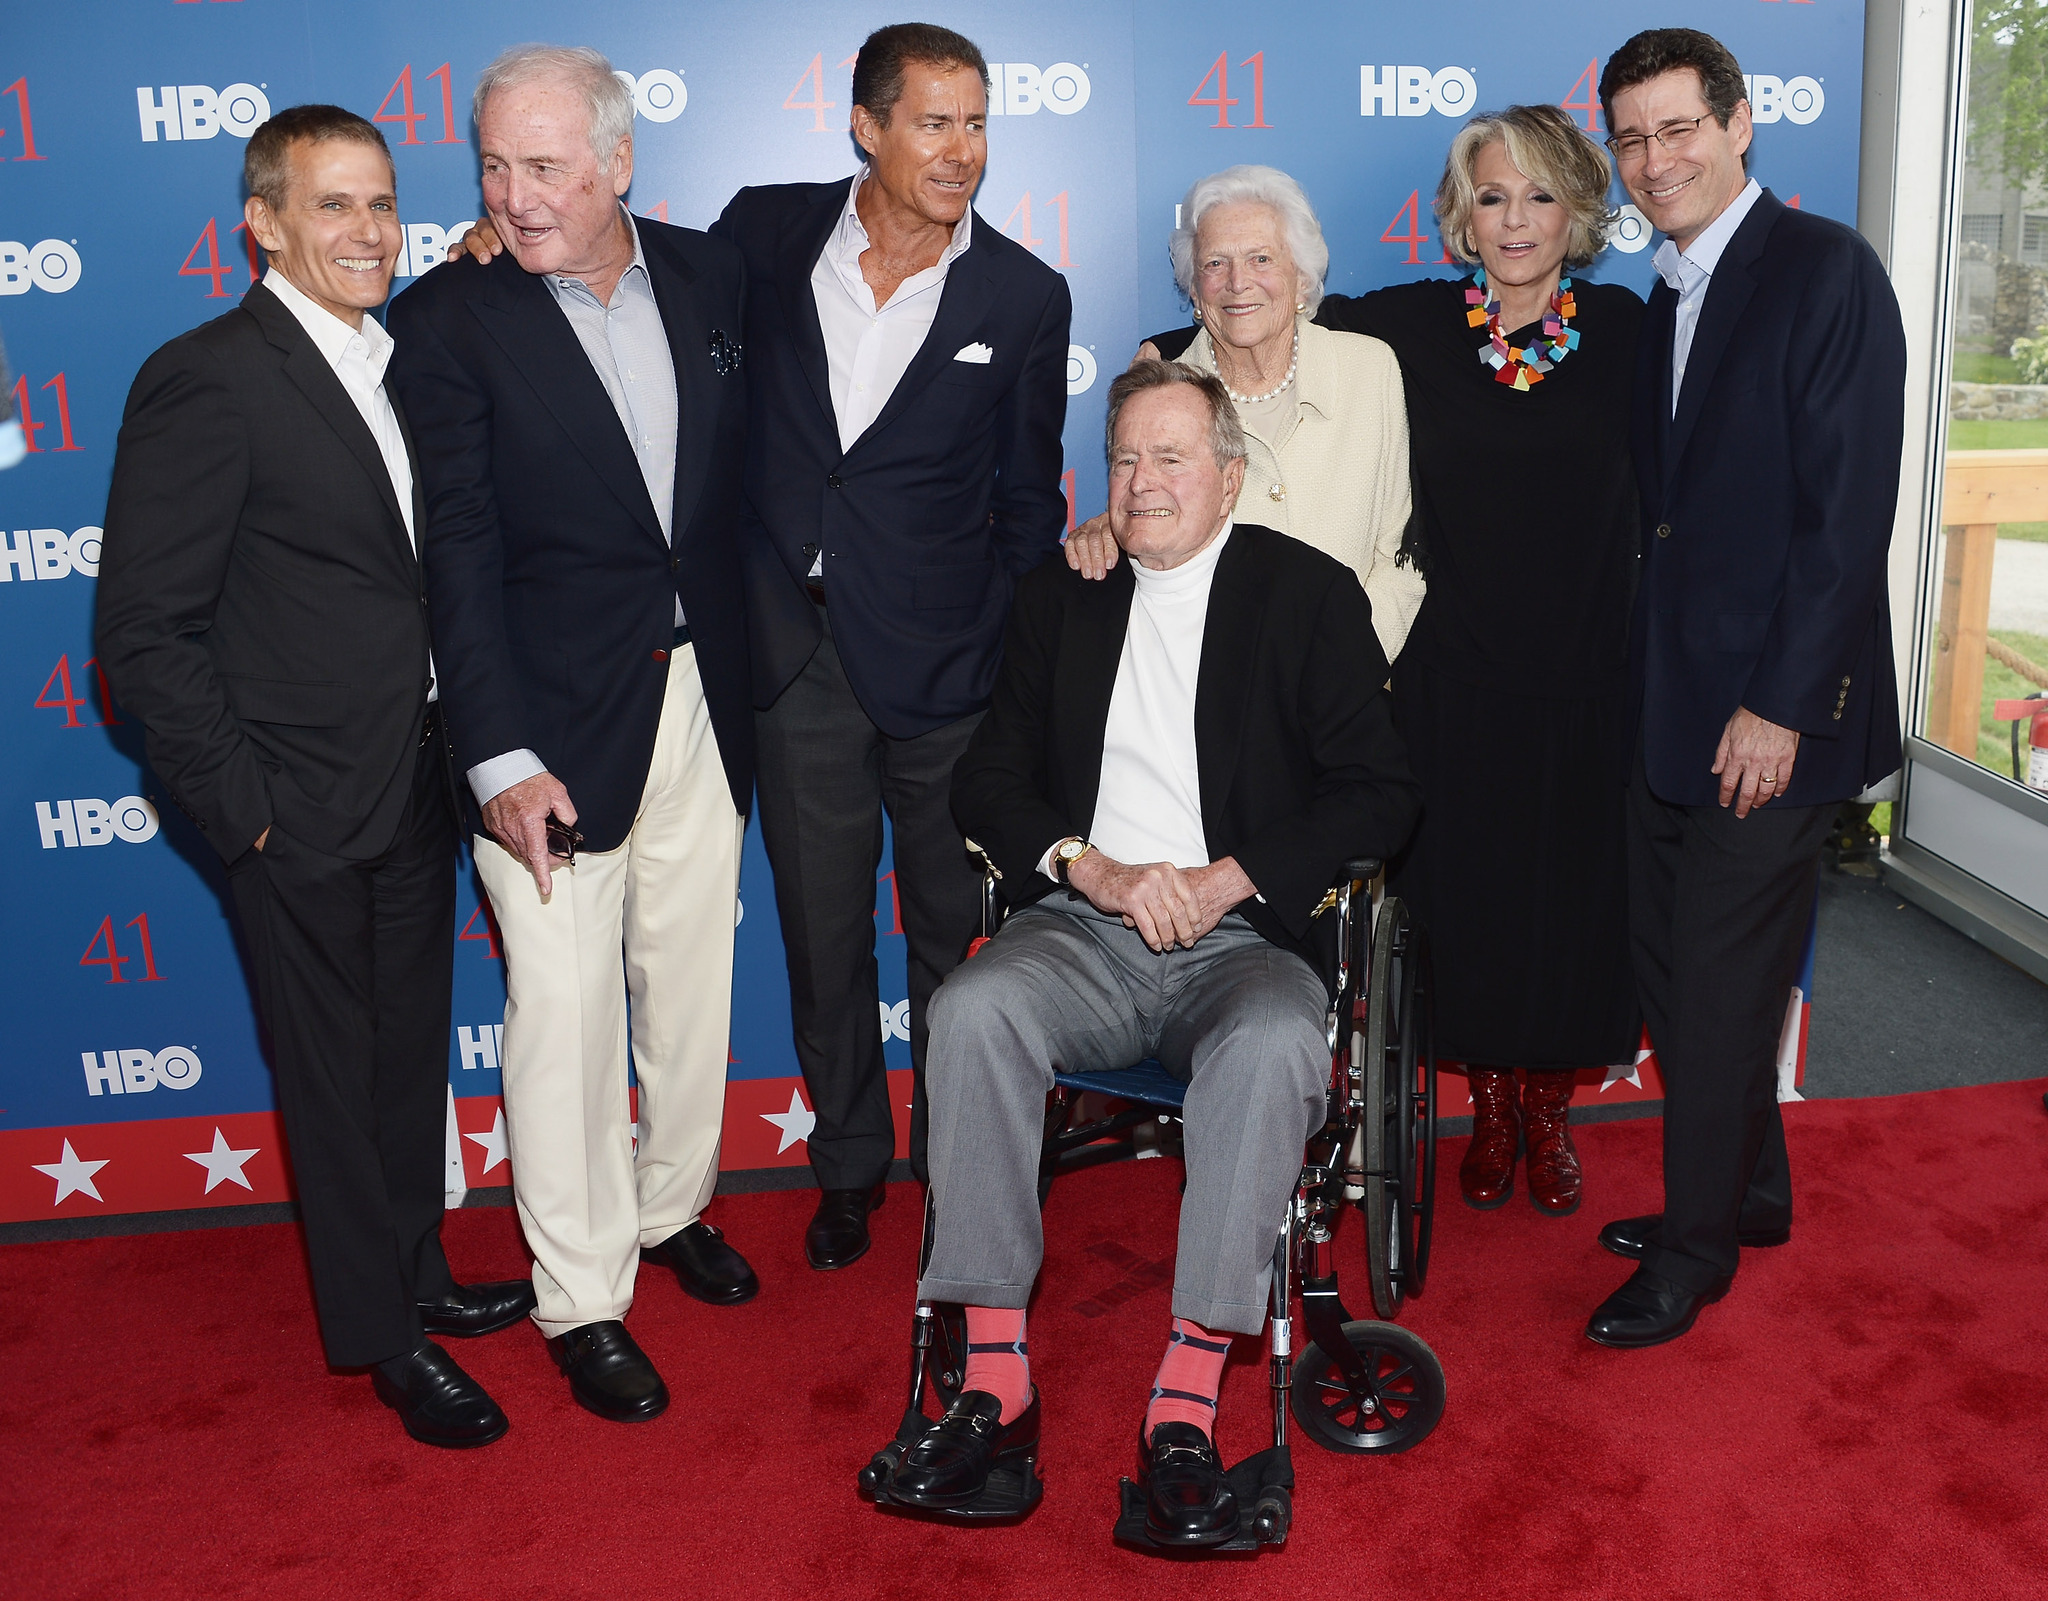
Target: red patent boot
{"type": "Point", "coordinates": [1553, 1164]}
{"type": "Point", "coordinates": [1487, 1175]}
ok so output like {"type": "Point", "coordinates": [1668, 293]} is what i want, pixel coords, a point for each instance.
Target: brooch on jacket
{"type": "Point", "coordinates": [725, 353]}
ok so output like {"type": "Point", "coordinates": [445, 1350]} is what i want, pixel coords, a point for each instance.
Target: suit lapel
{"type": "Point", "coordinates": [689, 344]}
{"type": "Point", "coordinates": [1728, 295]}
{"type": "Point", "coordinates": [1658, 324]}
{"type": "Point", "coordinates": [962, 303]}
{"type": "Point", "coordinates": [312, 377]}
{"type": "Point", "coordinates": [803, 239]}
{"type": "Point", "coordinates": [1084, 679]}
{"type": "Point", "coordinates": [412, 462]}
{"type": "Point", "coordinates": [1230, 639]}
{"type": "Point", "coordinates": [519, 312]}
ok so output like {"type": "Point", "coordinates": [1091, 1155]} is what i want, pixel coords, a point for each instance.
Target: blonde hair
{"type": "Point", "coordinates": [1546, 146]}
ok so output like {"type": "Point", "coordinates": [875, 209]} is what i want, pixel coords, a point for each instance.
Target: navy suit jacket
{"type": "Point", "coordinates": [552, 589]}
{"type": "Point", "coordinates": [949, 497]}
{"type": "Point", "coordinates": [1767, 507]}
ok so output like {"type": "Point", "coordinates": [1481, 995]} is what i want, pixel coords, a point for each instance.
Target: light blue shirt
{"type": "Point", "coordinates": [1689, 271]}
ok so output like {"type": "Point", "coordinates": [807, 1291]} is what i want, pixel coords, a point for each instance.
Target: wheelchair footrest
{"type": "Point", "coordinates": [1010, 1494]}
{"type": "Point", "coordinates": [1265, 1506]}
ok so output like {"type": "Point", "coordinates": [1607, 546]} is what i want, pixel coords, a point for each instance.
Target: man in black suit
{"type": "Point", "coordinates": [908, 381]}
{"type": "Point", "coordinates": [582, 417]}
{"type": "Point", "coordinates": [1176, 764]}
{"type": "Point", "coordinates": [1769, 417]}
{"type": "Point", "coordinates": [260, 611]}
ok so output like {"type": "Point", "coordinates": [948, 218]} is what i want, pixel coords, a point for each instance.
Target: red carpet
{"type": "Point", "coordinates": [1865, 1415]}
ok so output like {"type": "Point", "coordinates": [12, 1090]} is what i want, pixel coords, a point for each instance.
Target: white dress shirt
{"type": "Point", "coordinates": [1689, 271]}
{"type": "Point", "coordinates": [359, 357]}
{"type": "Point", "coordinates": [1148, 807]}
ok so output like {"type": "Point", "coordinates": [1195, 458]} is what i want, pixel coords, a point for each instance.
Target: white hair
{"type": "Point", "coordinates": [1263, 186]}
{"type": "Point", "coordinates": [609, 101]}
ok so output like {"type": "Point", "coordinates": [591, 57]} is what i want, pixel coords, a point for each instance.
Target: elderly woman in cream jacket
{"type": "Point", "coordinates": [1322, 411]}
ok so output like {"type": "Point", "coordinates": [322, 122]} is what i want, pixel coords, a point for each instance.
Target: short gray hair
{"type": "Point", "coordinates": [1263, 186]}
{"type": "Point", "coordinates": [1226, 433]}
{"type": "Point", "coordinates": [605, 94]}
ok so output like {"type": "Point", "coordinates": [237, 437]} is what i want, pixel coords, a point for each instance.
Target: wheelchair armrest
{"type": "Point", "coordinates": [1359, 867]}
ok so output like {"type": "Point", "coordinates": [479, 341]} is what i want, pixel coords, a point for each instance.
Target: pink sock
{"type": "Point", "coordinates": [1189, 1376]}
{"type": "Point", "coordinates": [998, 1360]}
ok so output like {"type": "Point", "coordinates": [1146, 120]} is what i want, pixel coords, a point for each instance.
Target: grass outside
{"type": "Point", "coordinates": [1976, 433]}
{"type": "Point", "coordinates": [1981, 367]}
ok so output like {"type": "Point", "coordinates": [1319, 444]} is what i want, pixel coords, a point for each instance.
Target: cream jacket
{"type": "Point", "coordinates": [1340, 483]}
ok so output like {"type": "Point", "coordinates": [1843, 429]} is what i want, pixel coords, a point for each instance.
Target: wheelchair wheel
{"type": "Point", "coordinates": [1416, 1206]}
{"type": "Point", "coordinates": [1401, 1403]}
{"type": "Point", "coordinates": [1385, 1113]}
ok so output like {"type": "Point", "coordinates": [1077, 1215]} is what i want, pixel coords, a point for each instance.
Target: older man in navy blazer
{"type": "Point", "coordinates": [1769, 417]}
{"type": "Point", "coordinates": [907, 389]}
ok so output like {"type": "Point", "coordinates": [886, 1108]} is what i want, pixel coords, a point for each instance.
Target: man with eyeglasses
{"type": "Point", "coordinates": [1769, 418]}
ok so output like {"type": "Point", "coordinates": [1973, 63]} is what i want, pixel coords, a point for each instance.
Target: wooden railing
{"type": "Point", "coordinates": [1982, 489]}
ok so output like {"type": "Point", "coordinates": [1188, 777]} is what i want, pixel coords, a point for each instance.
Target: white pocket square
{"type": "Point", "coordinates": [976, 352]}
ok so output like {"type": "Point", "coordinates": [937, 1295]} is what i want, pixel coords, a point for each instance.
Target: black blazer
{"type": "Point", "coordinates": [259, 601]}
{"type": "Point", "coordinates": [553, 590]}
{"type": "Point", "coordinates": [1300, 766]}
{"type": "Point", "coordinates": [1767, 507]}
{"type": "Point", "coordinates": [949, 497]}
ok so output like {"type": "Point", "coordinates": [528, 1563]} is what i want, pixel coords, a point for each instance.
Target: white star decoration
{"type": "Point", "coordinates": [1627, 1072]}
{"type": "Point", "coordinates": [796, 1123]}
{"type": "Point", "coordinates": [73, 1176]}
{"type": "Point", "coordinates": [493, 1142]}
{"type": "Point", "coordinates": [223, 1165]}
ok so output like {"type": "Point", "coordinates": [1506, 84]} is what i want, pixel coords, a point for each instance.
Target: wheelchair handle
{"type": "Point", "coordinates": [1361, 867]}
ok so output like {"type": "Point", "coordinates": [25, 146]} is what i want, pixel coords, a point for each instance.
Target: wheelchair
{"type": "Point", "coordinates": [1355, 1386]}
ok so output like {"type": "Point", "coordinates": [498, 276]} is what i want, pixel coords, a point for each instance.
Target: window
{"type": "Point", "coordinates": [2034, 241]}
{"type": "Point", "coordinates": [1984, 228]}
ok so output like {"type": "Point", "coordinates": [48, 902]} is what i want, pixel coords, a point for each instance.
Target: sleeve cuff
{"type": "Point", "coordinates": [1045, 862]}
{"type": "Point", "coordinates": [488, 780]}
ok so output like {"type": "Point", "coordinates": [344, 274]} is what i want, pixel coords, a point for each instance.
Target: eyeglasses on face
{"type": "Point", "coordinates": [1672, 136]}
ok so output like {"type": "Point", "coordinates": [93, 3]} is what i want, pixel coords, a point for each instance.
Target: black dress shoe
{"type": "Point", "coordinates": [1188, 1500]}
{"type": "Point", "coordinates": [950, 1464]}
{"type": "Point", "coordinates": [610, 1374]}
{"type": "Point", "coordinates": [1630, 1236]}
{"type": "Point", "coordinates": [706, 1266]}
{"type": "Point", "coordinates": [438, 1403]}
{"type": "Point", "coordinates": [1648, 1310]}
{"type": "Point", "coordinates": [478, 1308]}
{"type": "Point", "coordinates": [838, 1235]}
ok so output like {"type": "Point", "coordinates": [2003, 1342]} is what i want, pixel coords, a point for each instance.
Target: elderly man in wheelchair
{"type": "Point", "coordinates": [1176, 765]}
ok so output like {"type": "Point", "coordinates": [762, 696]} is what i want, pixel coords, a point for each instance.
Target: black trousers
{"type": "Point", "coordinates": [353, 963]}
{"type": "Point", "coordinates": [1718, 912]}
{"type": "Point", "coordinates": [826, 774]}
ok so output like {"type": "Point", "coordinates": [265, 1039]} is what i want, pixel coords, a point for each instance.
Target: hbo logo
{"type": "Point", "coordinates": [1017, 89]}
{"type": "Point", "coordinates": [1416, 92]}
{"type": "Point", "coordinates": [1798, 100]}
{"type": "Point", "coordinates": [42, 553]}
{"type": "Point", "coordinates": [176, 1067]}
{"type": "Point", "coordinates": [193, 111]}
{"type": "Point", "coordinates": [659, 96]}
{"type": "Point", "coordinates": [49, 264]}
{"type": "Point", "coordinates": [73, 823]}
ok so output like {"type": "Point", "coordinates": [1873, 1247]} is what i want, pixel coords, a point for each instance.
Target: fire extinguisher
{"type": "Point", "coordinates": [2034, 711]}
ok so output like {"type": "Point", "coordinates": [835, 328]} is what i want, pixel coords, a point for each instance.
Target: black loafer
{"type": "Point", "coordinates": [706, 1266]}
{"type": "Point", "coordinates": [471, 1309]}
{"type": "Point", "coordinates": [610, 1374]}
{"type": "Point", "coordinates": [838, 1235]}
{"type": "Point", "coordinates": [438, 1403]}
{"type": "Point", "coordinates": [950, 1463]}
{"type": "Point", "coordinates": [1630, 1236]}
{"type": "Point", "coordinates": [1648, 1310]}
{"type": "Point", "coordinates": [1188, 1499]}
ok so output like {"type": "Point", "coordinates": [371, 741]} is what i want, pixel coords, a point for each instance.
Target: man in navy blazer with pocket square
{"type": "Point", "coordinates": [1769, 414]}
{"type": "Point", "coordinates": [907, 378]}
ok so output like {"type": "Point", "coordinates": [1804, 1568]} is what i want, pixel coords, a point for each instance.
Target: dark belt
{"type": "Point", "coordinates": [682, 635]}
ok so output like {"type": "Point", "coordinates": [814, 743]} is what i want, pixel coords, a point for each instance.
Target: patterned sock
{"type": "Point", "coordinates": [1189, 1376]}
{"type": "Point", "coordinates": [998, 1360]}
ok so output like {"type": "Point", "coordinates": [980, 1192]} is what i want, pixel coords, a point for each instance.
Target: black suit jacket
{"type": "Point", "coordinates": [941, 505]}
{"type": "Point", "coordinates": [260, 606]}
{"type": "Point", "coordinates": [1767, 507]}
{"type": "Point", "coordinates": [1300, 766]}
{"type": "Point", "coordinates": [552, 587]}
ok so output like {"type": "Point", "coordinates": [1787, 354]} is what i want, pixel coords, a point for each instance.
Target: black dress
{"type": "Point", "coordinates": [1510, 692]}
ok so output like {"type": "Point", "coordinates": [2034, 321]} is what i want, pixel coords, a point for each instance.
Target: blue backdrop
{"type": "Point", "coordinates": [122, 126]}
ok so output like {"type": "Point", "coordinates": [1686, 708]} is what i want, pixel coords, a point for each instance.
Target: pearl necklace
{"type": "Point", "coordinates": [1278, 389]}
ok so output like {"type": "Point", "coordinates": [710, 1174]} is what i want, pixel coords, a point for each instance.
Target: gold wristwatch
{"type": "Point", "coordinates": [1067, 852]}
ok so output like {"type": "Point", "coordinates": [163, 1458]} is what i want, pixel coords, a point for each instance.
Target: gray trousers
{"type": "Point", "coordinates": [1065, 986]}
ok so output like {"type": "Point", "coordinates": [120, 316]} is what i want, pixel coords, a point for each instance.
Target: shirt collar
{"type": "Point", "coordinates": [1703, 255]}
{"type": "Point", "coordinates": [563, 283]}
{"type": "Point", "coordinates": [330, 335]}
{"type": "Point", "coordinates": [850, 238]}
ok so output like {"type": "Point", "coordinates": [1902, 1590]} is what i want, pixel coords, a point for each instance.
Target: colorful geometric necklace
{"type": "Point", "coordinates": [1519, 368]}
